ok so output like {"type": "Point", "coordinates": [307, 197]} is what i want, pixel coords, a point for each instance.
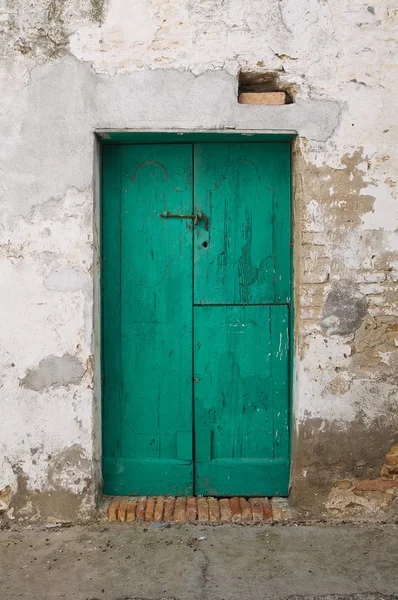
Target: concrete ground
{"type": "Point", "coordinates": [228, 562]}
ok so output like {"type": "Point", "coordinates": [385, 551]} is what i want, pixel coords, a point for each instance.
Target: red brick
{"type": "Point", "coordinates": [374, 485]}
{"type": "Point", "coordinates": [257, 509]}
{"type": "Point", "coordinates": [150, 509]}
{"type": "Point", "coordinates": [214, 510]}
{"type": "Point", "coordinates": [122, 510]}
{"type": "Point", "coordinates": [130, 514]}
{"type": "Point", "coordinates": [179, 509]}
{"type": "Point", "coordinates": [246, 510]}
{"type": "Point", "coordinates": [235, 510]}
{"type": "Point", "coordinates": [267, 509]}
{"type": "Point", "coordinates": [392, 458]}
{"type": "Point", "coordinates": [192, 509]}
{"type": "Point", "coordinates": [158, 514]}
{"type": "Point", "coordinates": [168, 508]}
{"type": "Point", "coordinates": [203, 510]}
{"type": "Point", "coordinates": [225, 510]}
{"type": "Point", "coordinates": [112, 510]}
{"type": "Point", "coordinates": [140, 510]}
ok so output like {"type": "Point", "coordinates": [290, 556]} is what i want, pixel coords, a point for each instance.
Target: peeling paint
{"type": "Point", "coordinates": [355, 450]}
{"type": "Point", "coordinates": [69, 279]}
{"type": "Point", "coordinates": [58, 502]}
{"type": "Point", "coordinates": [375, 348]}
{"type": "Point", "coordinates": [54, 371]}
{"type": "Point", "coordinates": [344, 309]}
{"type": "Point", "coordinates": [71, 67]}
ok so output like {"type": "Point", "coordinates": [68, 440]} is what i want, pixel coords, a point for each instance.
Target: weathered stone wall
{"type": "Point", "coordinates": [72, 67]}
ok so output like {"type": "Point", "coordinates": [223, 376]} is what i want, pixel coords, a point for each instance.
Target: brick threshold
{"type": "Point", "coordinates": [170, 509]}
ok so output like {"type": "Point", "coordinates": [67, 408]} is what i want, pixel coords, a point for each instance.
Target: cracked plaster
{"type": "Point", "coordinates": [71, 68]}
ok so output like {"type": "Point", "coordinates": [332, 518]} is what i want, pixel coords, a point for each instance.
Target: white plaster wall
{"type": "Point", "coordinates": [70, 68]}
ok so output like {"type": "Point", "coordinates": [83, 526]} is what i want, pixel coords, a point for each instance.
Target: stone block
{"type": "Point", "coordinates": [265, 98]}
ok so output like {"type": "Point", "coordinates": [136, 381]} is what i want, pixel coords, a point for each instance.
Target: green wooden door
{"type": "Point", "coordinates": [196, 319]}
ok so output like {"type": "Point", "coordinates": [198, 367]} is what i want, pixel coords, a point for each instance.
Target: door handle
{"type": "Point", "coordinates": [196, 218]}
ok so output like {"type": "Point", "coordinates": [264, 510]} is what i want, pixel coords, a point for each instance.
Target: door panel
{"type": "Point", "coordinates": [147, 311]}
{"type": "Point", "coordinates": [195, 319]}
{"type": "Point", "coordinates": [244, 257]}
{"type": "Point", "coordinates": [241, 400]}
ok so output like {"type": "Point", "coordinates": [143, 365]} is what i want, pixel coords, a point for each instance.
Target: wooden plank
{"type": "Point", "coordinates": [171, 477]}
{"type": "Point", "coordinates": [155, 324]}
{"type": "Point", "coordinates": [244, 190]}
{"type": "Point", "coordinates": [232, 477]}
{"type": "Point", "coordinates": [279, 328]}
{"type": "Point", "coordinates": [233, 397]}
{"type": "Point", "coordinates": [110, 279]}
{"type": "Point", "coordinates": [282, 224]}
{"type": "Point", "coordinates": [185, 445]}
{"type": "Point", "coordinates": [237, 361]}
{"type": "Point", "coordinates": [202, 443]}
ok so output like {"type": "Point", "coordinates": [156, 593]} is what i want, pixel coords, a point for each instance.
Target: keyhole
{"type": "Point", "coordinates": [204, 244]}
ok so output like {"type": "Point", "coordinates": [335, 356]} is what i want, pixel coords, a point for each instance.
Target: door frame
{"type": "Point", "coordinates": [111, 137]}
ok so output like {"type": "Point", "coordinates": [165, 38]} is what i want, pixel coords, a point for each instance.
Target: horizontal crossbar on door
{"type": "Point", "coordinates": [239, 304]}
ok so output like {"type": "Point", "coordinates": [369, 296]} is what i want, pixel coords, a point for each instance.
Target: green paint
{"type": "Point", "coordinates": [172, 137]}
{"type": "Point", "coordinates": [178, 297]}
{"type": "Point", "coordinates": [147, 317]}
{"type": "Point", "coordinates": [244, 191]}
{"type": "Point", "coordinates": [241, 400]}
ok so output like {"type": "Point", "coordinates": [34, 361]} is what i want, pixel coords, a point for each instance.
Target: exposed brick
{"type": "Point", "coordinates": [268, 98]}
{"type": "Point", "coordinates": [281, 510]}
{"type": "Point", "coordinates": [267, 509]}
{"type": "Point", "coordinates": [140, 510]}
{"type": "Point", "coordinates": [257, 509]}
{"type": "Point", "coordinates": [130, 514]}
{"type": "Point", "coordinates": [150, 509]}
{"type": "Point", "coordinates": [168, 508]}
{"type": "Point", "coordinates": [391, 459]}
{"type": "Point", "coordinates": [392, 456]}
{"type": "Point", "coordinates": [191, 509]}
{"type": "Point", "coordinates": [373, 485]}
{"type": "Point", "coordinates": [122, 510]}
{"type": "Point", "coordinates": [179, 510]}
{"type": "Point", "coordinates": [158, 514]}
{"type": "Point", "coordinates": [370, 289]}
{"type": "Point", "coordinates": [390, 471]}
{"type": "Point", "coordinates": [316, 270]}
{"type": "Point", "coordinates": [225, 510]}
{"type": "Point", "coordinates": [246, 510]}
{"type": "Point", "coordinates": [112, 510]}
{"type": "Point", "coordinates": [214, 510]}
{"type": "Point", "coordinates": [236, 516]}
{"type": "Point", "coordinates": [343, 484]}
{"type": "Point", "coordinates": [371, 277]}
{"type": "Point", "coordinates": [203, 510]}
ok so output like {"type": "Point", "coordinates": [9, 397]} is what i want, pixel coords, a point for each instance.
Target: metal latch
{"type": "Point", "coordinates": [196, 218]}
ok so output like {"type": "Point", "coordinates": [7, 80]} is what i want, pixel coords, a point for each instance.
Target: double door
{"type": "Point", "coordinates": [195, 318]}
